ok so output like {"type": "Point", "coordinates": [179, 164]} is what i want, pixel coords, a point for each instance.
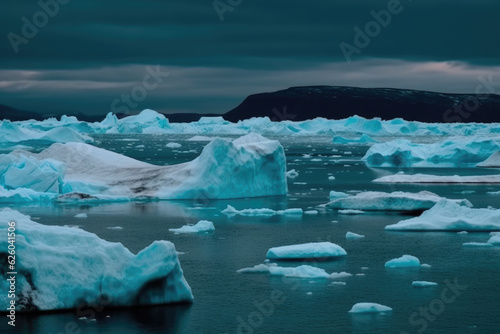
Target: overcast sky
{"type": "Point", "coordinates": [88, 55]}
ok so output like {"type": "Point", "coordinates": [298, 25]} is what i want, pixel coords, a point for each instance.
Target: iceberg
{"type": "Point", "coordinates": [495, 239]}
{"type": "Point", "coordinates": [313, 250]}
{"type": "Point", "coordinates": [449, 216]}
{"type": "Point", "coordinates": [457, 151]}
{"type": "Point", "coordinates": [249, 166]}
{"type": "Point", "coordinates": [173, 145]}
{"type": "Point", "coordinates": [292, 174]}
{"type": "Point", "coordinates": [14, 133]}
{"type": "Point", "coordinates": [53, 272]}
{"type": "Point", "coordinates": [492, 161]}
{"type": "Point", "coordinates": [427, 178]}
{"type": "Point", "coordinates": [423, 284]}
{"type": "Point", "coordinates": [395, 201]}
{"type": "Point", "coordinates": [337, 194]}
{"type": "Point", "coordinates": [265, 212]}
{"type": "Point", "coordinates": [405, 261]}
{"type": "Point", "coordinates": [351, 212]}
{"type": "Point", "coordinates": [199, 227]}
{"type": "Point", "coordinates": [369, 308]}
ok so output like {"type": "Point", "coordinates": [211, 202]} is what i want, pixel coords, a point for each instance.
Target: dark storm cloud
{"type": "Point", "coordinates": [90, 52]}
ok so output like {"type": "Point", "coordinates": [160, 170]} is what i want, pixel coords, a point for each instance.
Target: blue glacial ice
{"type": "Point", "coordinates": [200, 227]}
{"type": "Point", "coordinates": [395, 201]}
{"type": "Point", "coordinates": [306, 251]}
{"type": "Point", "coordinates": [249, 166]}
{"type": "Point", "coordinates": [456, 151]}
{"type": "Point", "coordinates": [369, 308]}
{"type": "Point", "coordinates": [405, 261]}
{"type": "Point", "coordinates": [449, 216]}
{"type": "Point", "coordinates": [54, 272]}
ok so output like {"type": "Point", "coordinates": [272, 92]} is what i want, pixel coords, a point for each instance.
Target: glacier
{"type": "Point", "coordinates": [312, 250]}
{"type": "Point", "coordinates": [65, 268]}
{"type": "Point", "coordinates": [455, 151]}
{"type": "Point", "coordinates": [249, 166]}
{"type": "Point", "coordinates": [449, 216]}
{"type": "Point", "coordinates": [395, 201]}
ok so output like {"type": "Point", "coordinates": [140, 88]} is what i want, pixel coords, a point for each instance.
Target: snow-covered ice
{"type": "Point", "coordinates": [456, 151]}
{"type": "Point", "coordinates": [306, 251]}
{"type": "Point", "coordinates": [449, 216]}
{"type": "Point", "coordinates": [404, 261]}
{"type": "Point", "coordinates": [426, 178]}
{"type": "Point", "coordinates": [423, 284]}
{"type": "Point", "coordinates": [492, 161]}
{"type": "Point", "coordinates": [395, 201]}
{"type": "Point", "coordinates": [265, 212]}
{"type": "Point", "coordinates": [351, 235]}
{"type": "Point", "coordinates": [199, 227]}
{"type": "Point", "coordinates": [249, 166]}
{"type": "Point", "coordinates": [55, 272]}
{"type": "Point", "coordinates": [369, 308]}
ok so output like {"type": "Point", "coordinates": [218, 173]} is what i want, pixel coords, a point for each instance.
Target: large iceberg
{"type": "Point", "coordinates": [395, 201]}
{"type": "Point", "coordinates": [449, 216]}
{"type": "Point", "coordinates": [456, 151]}
{"type": "Point", "coordinates": [312, 250]}
{"type": "Point", "coordinates": [64, 268]}
{"type": "Point", "coordinates": [249, 166]}
{"type": "Point", "coordinates": [427, 178]}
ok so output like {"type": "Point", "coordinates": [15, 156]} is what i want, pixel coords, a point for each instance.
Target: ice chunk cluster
{"type": "Point", "coordinates": [249, 166]}
{"type": "Point", "coordinates": [63, 268]}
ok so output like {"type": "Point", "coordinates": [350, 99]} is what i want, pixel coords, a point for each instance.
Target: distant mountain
{"type": "Point", "coordinates": [336, 102]}
{"type": "Point", "coordinates": [17, 115]}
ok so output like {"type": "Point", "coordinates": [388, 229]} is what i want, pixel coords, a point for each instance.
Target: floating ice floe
{"type": "Point", "coordinates": [449, 216]}
{"type": "Point", "coordinates": [423, 284]}
{"type": "Point", "coordinates": [456, 151]}
{"type": "Point", "coordinates": [495, 239]}
{"type": "Point", "coordinates": [81, 215]}
{"type": "Point", "coordinates": [492, 161]}
{"type": "Point", "coordinates": [249, 166]}
{"type": "Point", "coordinates": [350, 235]}
{"type": "Point", "coordinates": [405, 261]}
{"type": "Point", "coordinates": [54, 273]}
{"type": "Point", "coordinates": [395, 201]}
{"type": "Point", "coordinates": [337, 194]}
{"type": "Point", "coordinates": [303, 271]}
{"type": "Point", "coordinates": [351, 212]}
{"type": "Point", "coordinates": [369, 308]}
{"type": "Point", "coordinates": [199, 227]}
{"type": "Point", "coordinates": [426, 178]}
{"type": "Point", "coordinates": [477, 244]}
{"type": "Point", "coordinates": [364, 139]}
{"type": "Point", "coordinates": [200, 138]}
{"type": "Point", "coordinates": [173, 145]}
{"type": "Point", "coordinates": [265, 212]}
{"type": "Point", "coordinates": [313, 250]}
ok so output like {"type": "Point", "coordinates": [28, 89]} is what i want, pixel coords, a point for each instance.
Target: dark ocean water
{"type": "Point", "coordinates": [228, 302]}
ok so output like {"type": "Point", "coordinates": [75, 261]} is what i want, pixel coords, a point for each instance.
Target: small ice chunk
{"type": "Point", "coordinates": [351, 235]}
{"type": "Point", "coordinates": [404, 261]}
{"type": "Point", "coordinates": [342, 274]}
{"type": "Point", "coordinates": [311, 212]}
{"type": "Point", "coordinates": [351, 212]}
{"type": "Point", "coordinates": [477, 244]}
{"type": "Point", "coordinates": [81, 215]}
{"type": "Point", "coordinates": [173, 145]}
{"type": "Point", "coordinates": [422, 284]}
{"type": "Point", "coordinates": [292, 174]}
{"type": "Point", "coordinates": [331, 178]}
{"type": "Point", "coordinates": [201, 226]}
{"type": "Point", "coordinates": [369, 308]}
{"type": "Point", "coordinates": [306, 251]}
{"type": "Point", "coordinates": [115, 228]}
